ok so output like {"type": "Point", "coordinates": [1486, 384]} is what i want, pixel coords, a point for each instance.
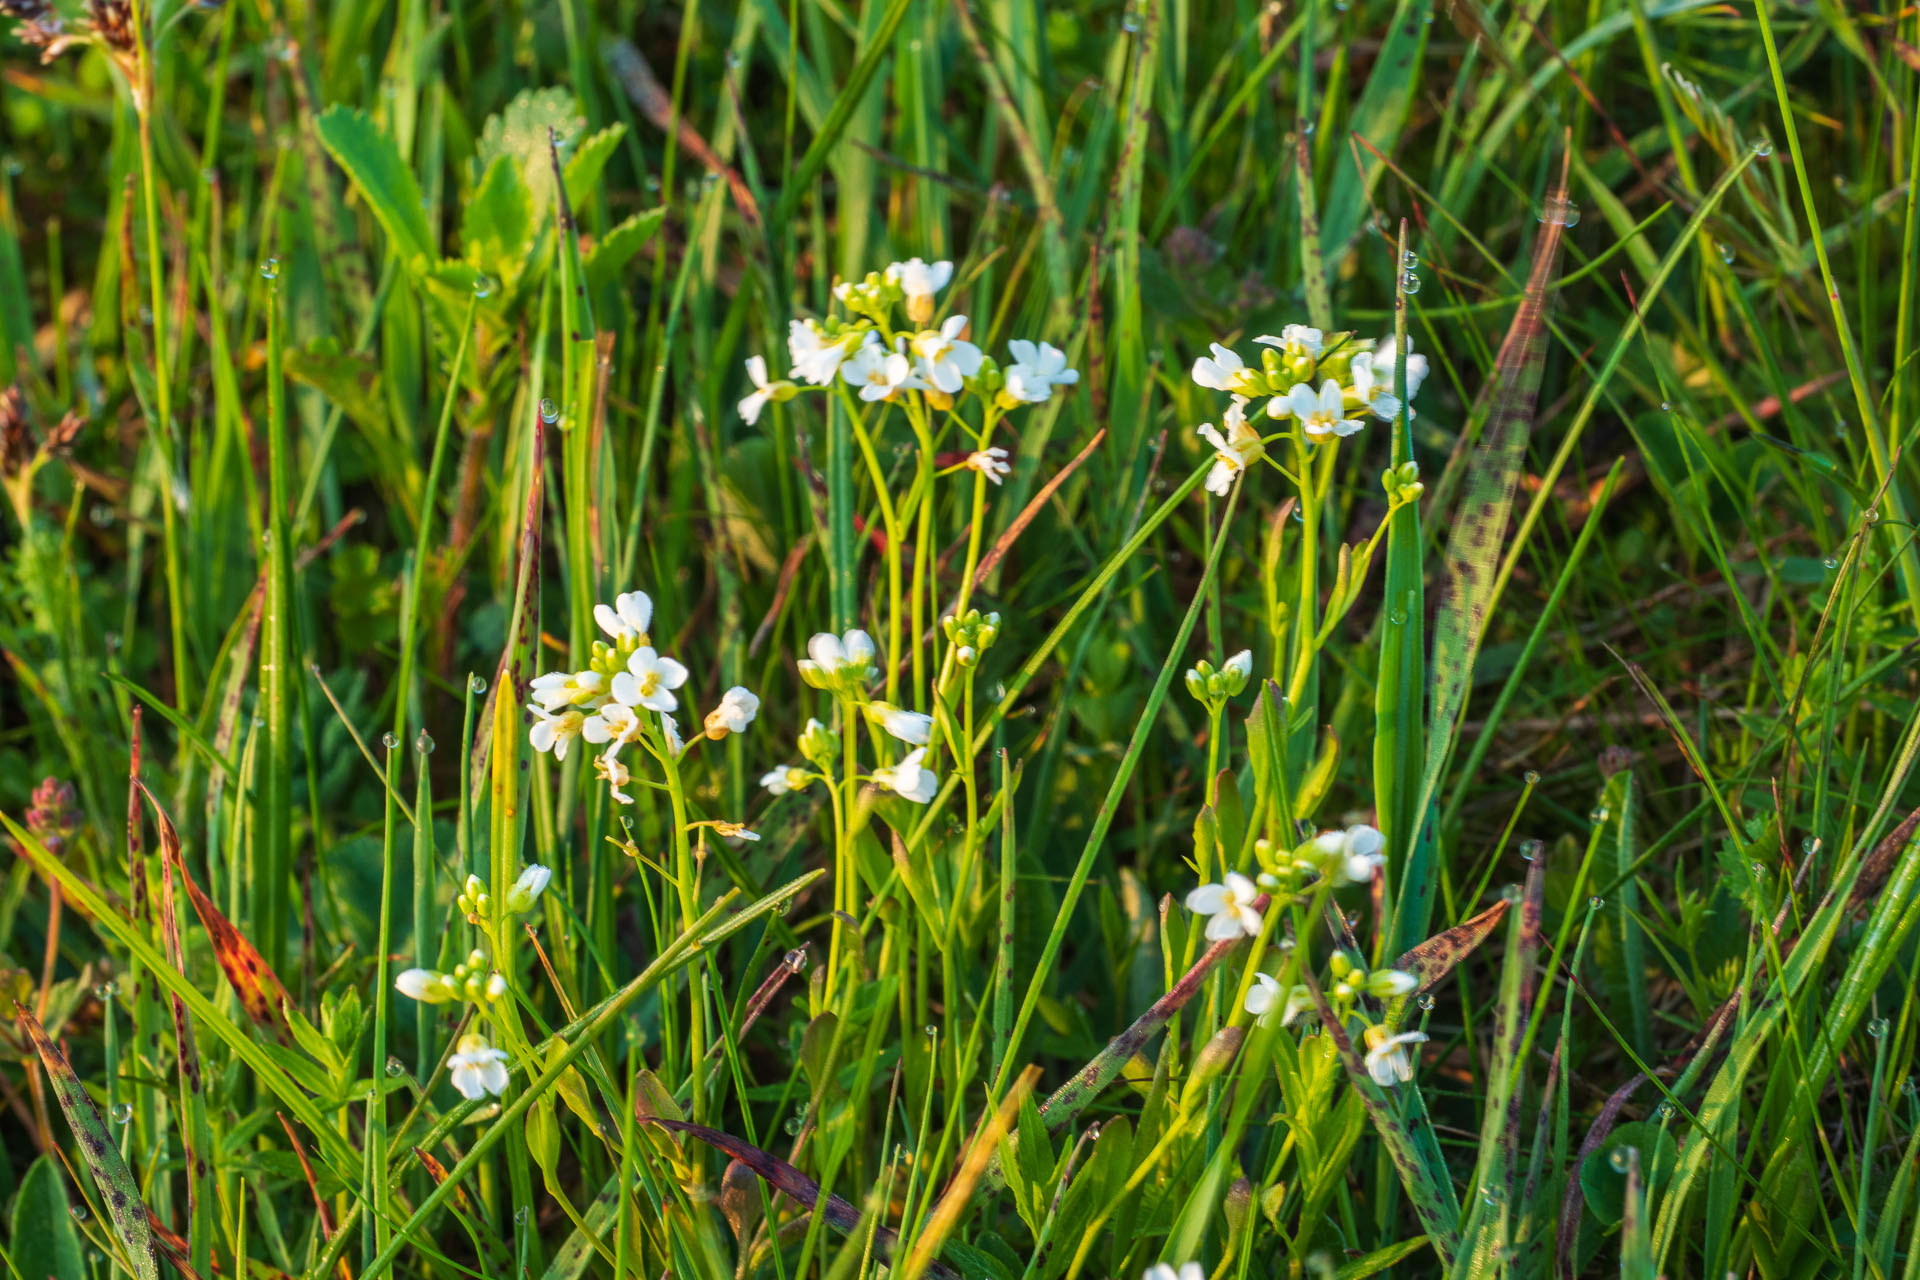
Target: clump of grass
{"type": "Point", "coordinates": [693, 696]}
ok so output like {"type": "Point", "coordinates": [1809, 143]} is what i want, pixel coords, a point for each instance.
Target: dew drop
{"type": "Point", "coordinates": [476, 685]}
{"type": "Point", "coordinates": [1563, 213]}
{"type": "Point", "coordinates": [1425, 1001]}
{"type": "Point", "coordinates": [549, 412]}
{"type": "Point", "coordinates": [389, 740]}
{"type": "Point", "coordinates": [1409, 261]}
{"type": "Point", "coordinates": [1831, 562]}
{"type": "Point", "coordinates": [1397, 617]}
{"type": "Point", "coordinates": [79, 1212]}
{"type": "Point", "coordinates": [270, 269]}
{"type": "Point", "coordinates": [1409, 282]}
{"type": "Point", "coordinates": [733, 59]}
{"type": "Point", "coordinates": [1726, 252]}
{"type": "Point", "coordinates": [1307, 129]}
{"type": "Point", "coordinates": [104, 992]}
{"type": "Point", "coordinates": [122, 1112]}
{"type": "Point", "coordinates": [1810, 845]}
{"type": "Point", "coordinates": [1666, 406]}
{"type": "Point", "coordinates": [1596, 902]}
{"type": "Point", "coordinates": [1621, 1158]}
{"type": "Point", "coordinates": [1532, 777]}
{"type": "Point", "coordinates": [1762, 148]}
{"type": "Point", "coordinates": [797, 959]}
{"type": "Point", "coordinates": [396, 1068]}
{"type": "Point", "coordinates": [932, 1032]}
{"type": "Point", "coordinates": [483, 286]}
{"type": "Point", "coordinates": [1877, 1028]}
{"type": "Point", "coordinates": [793, 1126]}
{"type": "Point", "coordinates": [1511, 893]}
{"type": "Point", "coordinates": [1529, 850]}
{"type": "Point", "coordinates": [1598, 813]}
{"type": "Point", "coordinates": [1493, 1196]}
{"type": "Point", "coordinates": [423, 743]}
{"type": "Point", "coordinates": [1130, 21]}
{"type": "Point", "coordinates": [520, 1216]}
{"type": "Point", "coordinates": [1664, 1111]}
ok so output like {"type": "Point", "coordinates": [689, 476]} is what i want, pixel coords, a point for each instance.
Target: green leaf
{"type": "Point", "coordinates": [1605, 1185]}
{"type": "Point", "coordinates": [520, 133]}
{"type": "Point", "coordinates": [589, 161]}
{"type": "Point", "coordinates": [383, 178]}
{"type": "Point", "coordinates": [496, 228]}
{"type": "Point", "coordinates": [44, 1241]}
{"type": "Point", "coordinates": [617, 248]}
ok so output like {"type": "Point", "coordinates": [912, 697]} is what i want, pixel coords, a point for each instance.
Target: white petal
{"type": "Point", "coordinates": [825, 649]}
{"type": "Point", "coordinates": [757, 371]}
{"type": "Point", "coordinates": [626, 690]}
{"type": "Point", "coordinates": [1241, 662]}
{"type": "Point", "coordinates": [1242, 889]}
{"type": "Point", "coordinates": [1207, 900]}
{"type": "Point", "coordinates": [859, 647]}
{"type": "Point", "coordinates": [609, 621]}
{"type": "Point", "coordinates": [420, 984]}
{"type": "Point", "coordinates": [1223, 927]}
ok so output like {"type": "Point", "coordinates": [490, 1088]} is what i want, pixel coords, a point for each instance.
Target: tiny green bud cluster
{"type": "Point", "coordinates": [971, 634]}
{"type": "Point", "coordinates": [472, 980]}
{"type": "Point", "coordinates": [1212, 686]}
{"type": "Point", "coordinates": [1402, 483]}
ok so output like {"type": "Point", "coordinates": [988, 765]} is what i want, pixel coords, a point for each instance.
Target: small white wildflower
{"type": "Point", "coordinates": [911, 727]}
{"type": "Point", "coordinates": [879, 373]}
{"type": "Point", "coordinates": [1351, 856]}
{"type": "Point", "coordinates": [1165, 1271]}
{"type": "Point", "coordinates": [617, 723]}
{"type": "Point", "coordinates": [628, 620]}
{"type": "Point", "coordinates": [838, 660]}
{"type": "Point", "coordinates": [1036, 371]}
{"type": "Point", "coordinates": [1296, 337]}
{"type": "Point", "coordinates": [557, 689]}
{"type": "Point", "coordinates": [908, 778]}
{"type": "Point", "coordinates": [1383, 360]}
{"type": "Point", "coordinates": [1233, 452]}
{"type": "Point", "coordinates": [670, 730]}
{"type": "Point", "coordinates": [919, 280]}
{"type": "Point", "coordinates": [527, 889]}
{"type": "Point", "coordinates": [649, 681]}
{"type": "Point", "coordinates": [1237, 669]}
{"type": "Point", "coordinates": [736, 711]}
{"type": "Point", "coordinates": [1224, 370]}
{"type": "Point", "coordinates": [784, 779]}
{"type": "Point", "coordinates": [614, 772]}
{"type": "Point", "coordinates": [1369, 391]}
{"type": "Point", "coordinates": [554, 731]}
{"type": "Point", "coordinates": [990, 462]}
{"type": "Point", "coordinates": [1230, 905]}
{"type": "Point", "coordinates": [1321, 416]}
{"type": "Point", "coordinates": [945, 358]}
{"type": "Point", "coordinates": [764, 391]}
{"type": "Point", "coordinates": [478, 1070]}
{"type": "Point", "coordinates": [426, 985]}
{"type": "Point", "coordinates": [816, 357]}
{"type": "Point", "coordinates": [1387, 1060]}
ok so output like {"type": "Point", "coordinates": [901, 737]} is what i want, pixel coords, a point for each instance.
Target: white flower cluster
{"type": "Point", "coordinates": [879, 362]}
{"type": "Point", "coordinates": [843, 665]}
{"type": "Point", "coordinates": [1352, 376]}
{"type": "Point", "coordinates": [624, 678]}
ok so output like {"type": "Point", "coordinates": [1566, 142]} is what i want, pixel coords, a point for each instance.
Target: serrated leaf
{"type": "Point", "coordinates": [520, 132]}
{"type": "Point", "coordinates": [617, 248]}
{"type": "Point", "coordinates": [383, 179]}
{"type": "Point", "coordinates": [589, 162]}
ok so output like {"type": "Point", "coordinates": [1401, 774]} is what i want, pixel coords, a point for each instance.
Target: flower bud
{"type": "Point", "coordinates": [1339, 966]}
{"type": "Point", "coordinates": [819, 744]}
{"type": "Point", "coordinates": [1196, 684]}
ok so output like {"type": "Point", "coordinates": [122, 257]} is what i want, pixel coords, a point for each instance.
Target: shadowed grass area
{"type": "Point", "coordinates": [626, 653]}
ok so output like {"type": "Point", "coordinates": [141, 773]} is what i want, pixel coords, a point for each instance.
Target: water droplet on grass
{"type": "Point", "coordinates": [396, 1068]}
{"type": "Point", "coordinates": [1877, 1028]}
{"type": "Point", "coordinates": [389, 740]}
{"type": "Point", "coordinates": [1621, 1158]}
{"type": "Point", "coordinates": [79, 1212]}
{"type": "Point", "coordinates": [1409, 282]}
{"type": "Point", "coordinates": [796, 959]}
{"type": "Point", "coordinates": [476, 685]}
{"type": "Point", "coordinates": [1425, 1001]}
{"type": "Point", "coordinates": [1762, 148]}
{"type": "Point", "coordinates": [423, 743]}
{"type": "Point", "coordinates": [104, 992]}
{"type": "Point", "coordinates": [122, 1112]}
{"type": "Point", "coordinates": [482, 286]}
{"type": "Point", "coordinates": [270, 269]}
{"type": "Point", "coordinates": [549, 412]}
{"type": "Point", "coordinates": [1531, 777]}
{"type": "Point", "coordinates": [1409, 261]}
{"type": "Point", "coordinates": [1596, 902]}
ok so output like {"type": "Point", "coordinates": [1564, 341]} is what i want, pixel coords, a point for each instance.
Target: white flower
{"type": "Point", "coordinates": [911, 727]}
{"type": "Point", "coordinates": [1267, 992]}
{"type": "Point", "coordinates": [615, 773]}
{"type": "Point", "coordinates": [532, 883]}
{"type": "Point", "coordinates": [478, 1069]}
{"type": "Point", "coordinates": [784, 779]}
{"type": "Point", "coordinates": [1390, 984]}
{"type": "Point", "coordinates": [1297, 337]}
{"type": "Point", "coordinates": [617, 723]}
{"type": "Point", "coordinates": [908, 779]}
{"type": "Point", "coordinates": [1239, 666]}
{"type": "Point", "coordinates": [1223, 371]}
{"type": "Point", "coordinates": [557, 689]}
{"type": "Point", "coordinates": [1387, 1060]}
{"type": "Point", "coordinates": [736, 711]}
{"type": "Point", "coordinates": [1351, 856]}
{"type": "Point", "coordinates": [1320, 416]}
{"type": "Point", "coordinates": [649, 681]}
{"type": "Point", "coordinates": [1233, 452]}
{"type": "Point", "coordinates": [1037, 370]}
{"type": "Point", "coordinates": [1165, 1271]}
{"type": "Point", "coordinates": [554, 731]}
{"type": "Point", "coordinates": [879, 373]}
{"type": "Point", "coordinates": [1383, 358]}
{"type": "Point", "coordinates": [628, 620]}
{"type": "Point", "coordinates": [815, 357]}
{"type": "Point", "coordinates": [426, 986]}
{"type": "Point", "coordinates": [990, 462]}
{"type": "Point", "coordinates": [946, 359]}
{"type": "Point", "coordinates": [763, 392]}
{"type": "Point", "coordinates": [1370, 391]}
{"type": "Point", "coordinates": [1230, 905]}
{"type": "Point", "coordinates": [919, 281]}
{"type": "Point", "coordinates": [670, 730]}
{"type": "Point", "coordinates": [832, 658]}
